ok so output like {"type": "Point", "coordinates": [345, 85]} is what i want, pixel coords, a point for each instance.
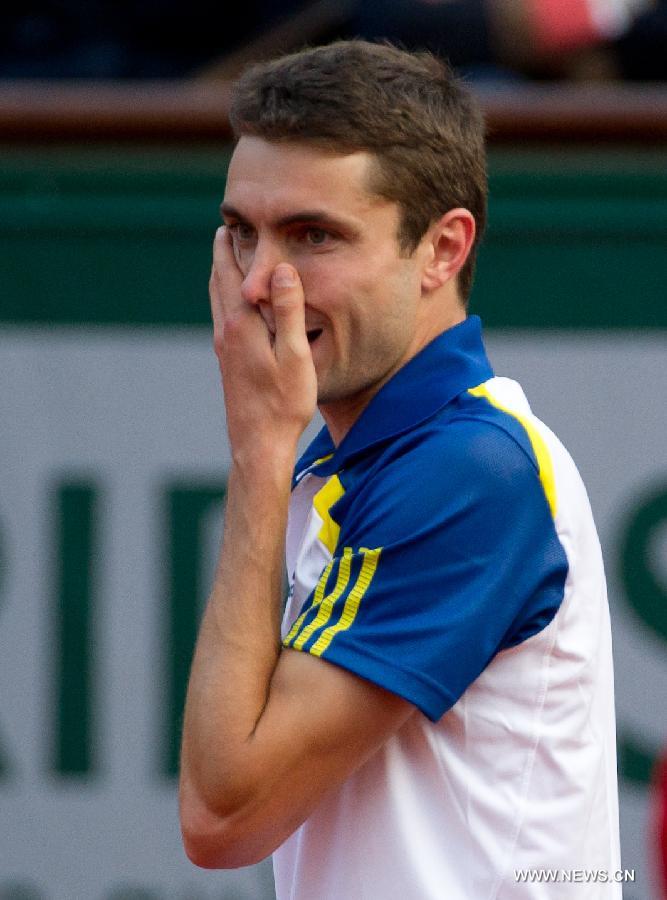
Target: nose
{"type": "Point", "coordinates": [259, 265]}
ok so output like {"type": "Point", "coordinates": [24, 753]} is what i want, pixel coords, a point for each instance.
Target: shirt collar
{"type": "Point", "coordinates": [450, 364]}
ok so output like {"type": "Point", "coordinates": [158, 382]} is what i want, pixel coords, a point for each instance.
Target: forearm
{"type": "Point", "coordinates": [239, 641]}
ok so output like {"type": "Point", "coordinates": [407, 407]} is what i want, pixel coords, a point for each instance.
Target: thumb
{"type": "Point", "coordinates": [287, 302]}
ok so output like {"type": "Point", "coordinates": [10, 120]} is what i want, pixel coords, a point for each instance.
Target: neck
{"type": "Point", "coordinates": [340, 415]}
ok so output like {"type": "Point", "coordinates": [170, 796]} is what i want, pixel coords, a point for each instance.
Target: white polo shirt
{"type": "Point", "coordinates": [446, 551]}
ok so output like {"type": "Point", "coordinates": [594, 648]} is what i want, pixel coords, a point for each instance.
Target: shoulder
{"type": "Point", "coordinates": [454, 451]}
{"type": "Point", "coordinates": [456, 465]}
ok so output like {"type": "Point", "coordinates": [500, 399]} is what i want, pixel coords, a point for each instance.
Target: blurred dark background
{"type": "Point", "coordinates": [506, 39]}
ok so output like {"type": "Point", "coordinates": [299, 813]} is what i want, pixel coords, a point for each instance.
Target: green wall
{"type": "Point", "coordinates": [122, 235]}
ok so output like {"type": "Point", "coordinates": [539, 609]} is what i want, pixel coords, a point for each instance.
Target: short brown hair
{"type": "Point", "coordinates": [408, 109]}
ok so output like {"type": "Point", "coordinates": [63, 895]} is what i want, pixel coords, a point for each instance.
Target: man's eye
{"type": "Point", "coordinates": [317, 236]}
{"type": "Point", "coordinates": [242, 232]}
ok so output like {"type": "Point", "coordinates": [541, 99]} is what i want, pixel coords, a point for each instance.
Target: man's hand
{"type": "Point", "coordinates": [268, 378]}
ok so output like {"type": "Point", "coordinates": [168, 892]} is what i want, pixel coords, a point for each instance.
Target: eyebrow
{"type": "Point", "coordinates": [297, 218]}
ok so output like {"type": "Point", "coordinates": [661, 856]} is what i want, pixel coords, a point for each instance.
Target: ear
{"type": "Point", "coordinates": [449, 242]}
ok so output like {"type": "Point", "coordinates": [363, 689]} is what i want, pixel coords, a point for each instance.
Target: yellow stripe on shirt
{"type": "Point", "coordinates": [323, 500]}
{"type": "Point", "coordinates": [352, 601]}
{"type": "Point", "coordinates": [327, 605]}
{"type": "Point", "coordinates": [540, 449]}
{"type": "Point", "coordinates": [317, 599]}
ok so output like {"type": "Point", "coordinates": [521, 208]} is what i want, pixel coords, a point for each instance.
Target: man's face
{"type": "Point", "coordinates": [287, 202]}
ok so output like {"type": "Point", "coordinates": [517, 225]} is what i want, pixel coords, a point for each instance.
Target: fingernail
{"type": "Point", "coordinates": [283, 276]}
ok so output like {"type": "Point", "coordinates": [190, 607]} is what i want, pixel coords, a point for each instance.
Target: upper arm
{"type": "Point", "coordinates": [320, 723]}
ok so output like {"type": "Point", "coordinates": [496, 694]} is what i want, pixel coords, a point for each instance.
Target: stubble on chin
{"type": "Point", "coordinates": [345, 390]}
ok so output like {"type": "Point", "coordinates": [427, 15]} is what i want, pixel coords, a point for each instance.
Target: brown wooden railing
{"type": "Point", "coordinates": [44, 112]}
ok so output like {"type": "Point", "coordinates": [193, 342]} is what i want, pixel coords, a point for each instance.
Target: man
{"type": "Point", "coordinates": [439, 711]}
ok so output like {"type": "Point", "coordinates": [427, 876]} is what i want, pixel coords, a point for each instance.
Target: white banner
{"type": "Point", "coordinates": [113, 461]}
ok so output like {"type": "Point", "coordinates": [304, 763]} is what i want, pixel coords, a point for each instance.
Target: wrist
{"type": "Point", "coordinates": [266, 449]}
{"type": "Point", "coordinates": [265, 459]}
{"type": "Point", "coordinates": [258, 492]}
{"type": "Point", "coordinates": [263, 470]}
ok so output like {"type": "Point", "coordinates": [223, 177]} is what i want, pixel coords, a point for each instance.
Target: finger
{"type": "Point", "coordinates": [226, 279]}
{"type": "Point", "coordinates": [288, 304]}
{"type": "Point", "coordinates": [216, 304]}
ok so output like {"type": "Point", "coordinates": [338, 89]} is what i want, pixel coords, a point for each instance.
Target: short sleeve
{"type": "Point", "coordinates": [447, 554]}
